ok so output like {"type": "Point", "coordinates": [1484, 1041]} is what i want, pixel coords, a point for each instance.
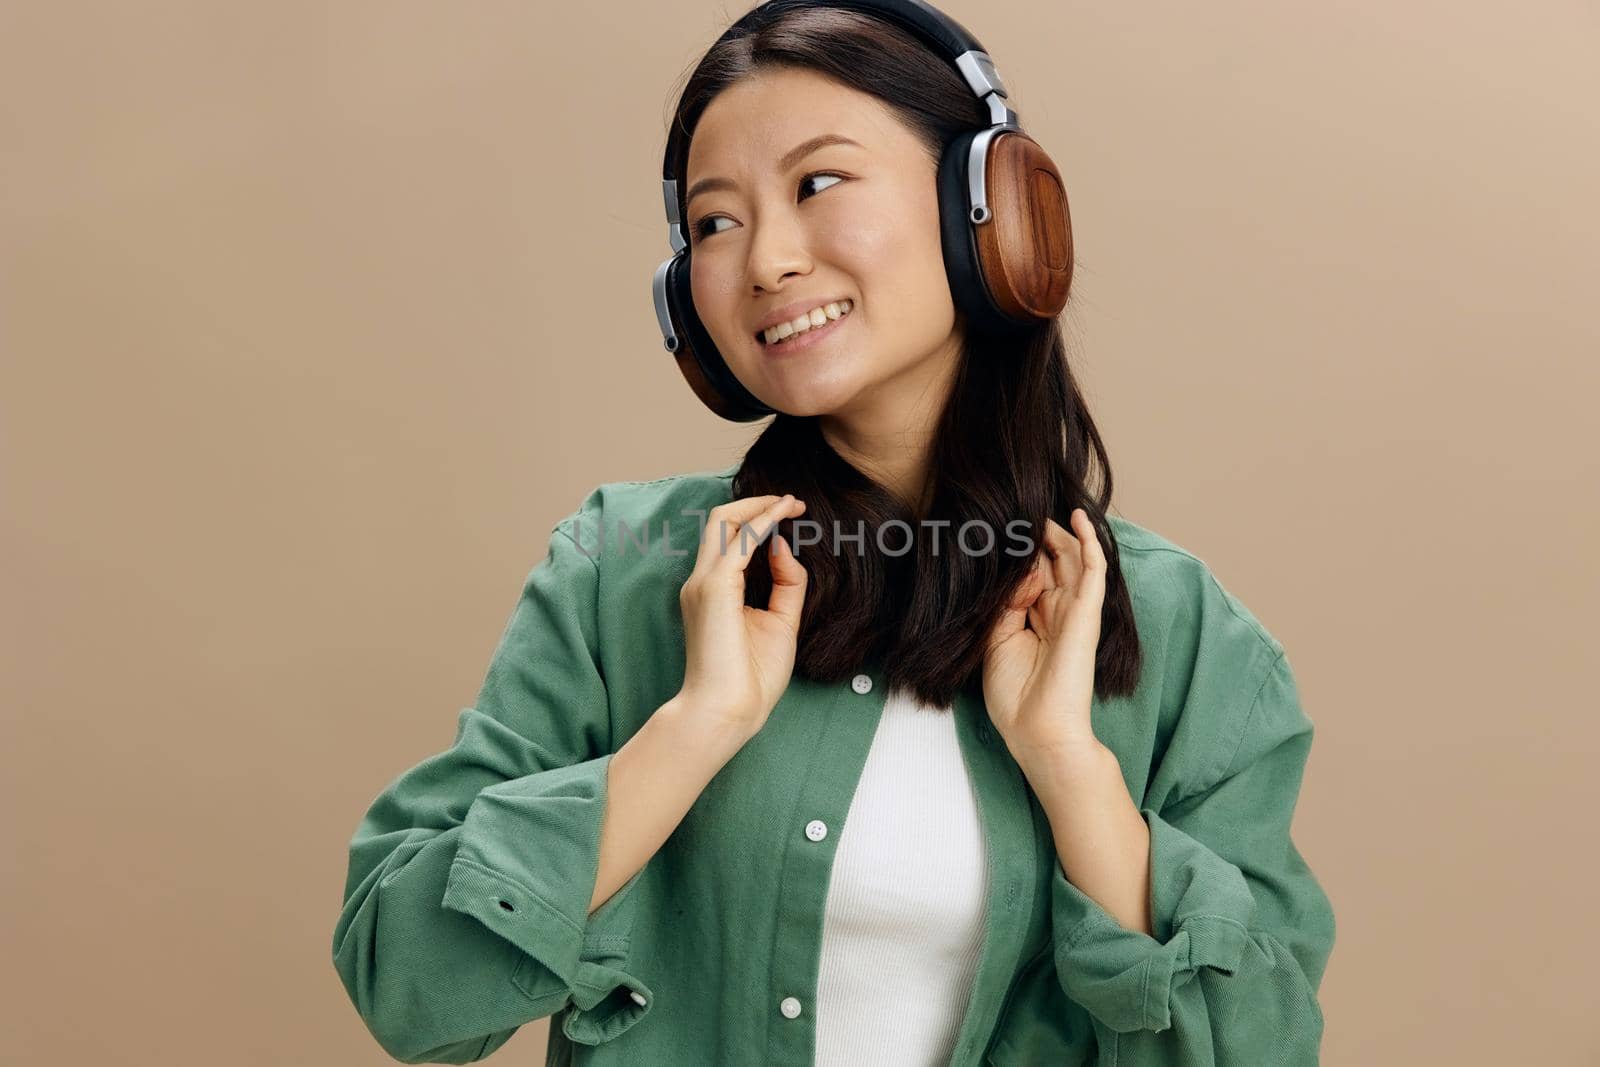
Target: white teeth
{"type": "Point", "coordinates": [817, 316]}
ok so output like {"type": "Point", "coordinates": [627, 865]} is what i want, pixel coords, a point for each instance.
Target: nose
{"type": "Point", "coordinates": [777, 250]}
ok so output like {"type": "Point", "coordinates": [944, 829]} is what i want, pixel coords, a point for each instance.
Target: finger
{"type": "Point", "coordinates": [1008, 625]}
{"type": "Point", "coordinates": [723, 524]}
{"type": "Point", "coordinates": [1066, 556]}
{"type": "Point", "coordinates": [1094, 555]}
{"type": "Point", "coordinates": [788, 583]}
{"type": "Point", "coordinates": [744, 543]}
{"type": "Point", "coordinates": [1044, 568]}
{"type": "Point", "coordinates": [1032, 585]}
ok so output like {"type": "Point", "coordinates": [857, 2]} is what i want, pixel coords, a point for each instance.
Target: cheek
{"type": "Point", "coordinates": [871, 241]}
{"type": "Point", "coordinates": [711, 289]}
{"type": "Point", "coordinates": [704, 284]}
{"type": "Point", "coordinates": [894, 248]}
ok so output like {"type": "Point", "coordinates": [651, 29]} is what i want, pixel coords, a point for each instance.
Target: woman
{"type": "Point", "coordinates": [900, 786]}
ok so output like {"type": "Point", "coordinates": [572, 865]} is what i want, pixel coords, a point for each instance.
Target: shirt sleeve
{"type": "Point", "coordinates": [1241, 929]}
{"type": "Point", "coordinates": [466, 904]}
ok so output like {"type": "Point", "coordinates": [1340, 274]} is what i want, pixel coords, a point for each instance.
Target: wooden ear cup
{"type": "Point", "coordinates": [701, 365]}
{"type": "Point", "coordinates": [1026, 248]}
{"type": "Point", "coordinates": [1015, 270]}
{"type": "Point", "coordinates": [692, 373]}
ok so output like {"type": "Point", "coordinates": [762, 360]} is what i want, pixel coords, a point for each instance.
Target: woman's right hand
{"type": "Point", "coordinates": [739, 658]}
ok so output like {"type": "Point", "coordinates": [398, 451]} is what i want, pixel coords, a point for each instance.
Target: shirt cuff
{"type": "Point", "coordinates": [1200, 910]}
{"type": "Point", "coordinates": [525, 867]}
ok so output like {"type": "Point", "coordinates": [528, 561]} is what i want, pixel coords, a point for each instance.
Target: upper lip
{"type": "Point", "coordinates": [790, 312]}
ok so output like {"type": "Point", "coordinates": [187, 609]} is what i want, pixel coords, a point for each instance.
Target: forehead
{"type": "Point", "coordinates": [762, 116]}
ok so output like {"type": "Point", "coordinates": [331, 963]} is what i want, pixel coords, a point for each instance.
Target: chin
{"type": "Point", "coordinates": [815, 397]}
{"type": "Point", "coordinates": [805, 403]}
{"type": "Point", "coordinates": [814, 390]}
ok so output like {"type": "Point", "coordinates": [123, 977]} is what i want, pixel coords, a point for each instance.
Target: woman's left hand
{"type": "Point", "coordinates": [1038, 670]}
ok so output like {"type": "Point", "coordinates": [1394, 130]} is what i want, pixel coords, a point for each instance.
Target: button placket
{"type": "Point", "coordinates": [846, 727]}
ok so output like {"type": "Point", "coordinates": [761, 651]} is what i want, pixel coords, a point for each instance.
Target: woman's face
{"type": "Point", "coordinates": [771, 233]}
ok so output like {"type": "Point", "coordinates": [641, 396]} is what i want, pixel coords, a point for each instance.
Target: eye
{"type": "Point", "coordinates": [700, 228]}
{"type": "Point", "coordinates": [821, 174]}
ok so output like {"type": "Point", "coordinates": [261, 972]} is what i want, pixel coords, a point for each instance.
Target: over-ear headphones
{"type": "Point", "coordinates": [1004, 226]}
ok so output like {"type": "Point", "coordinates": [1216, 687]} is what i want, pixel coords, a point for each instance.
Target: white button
{"type": "Point", "coordinates": [790, 1007]}
{"type": "Point", "coordinates": [816, 829]}
{"type": "Point", "coordinates": [861, 683]}
{"type": "Point", "coordinates": [637, 999]}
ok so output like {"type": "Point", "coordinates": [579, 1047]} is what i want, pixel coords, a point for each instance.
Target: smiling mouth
{"type": "Point", "coordinates": [842, 311]}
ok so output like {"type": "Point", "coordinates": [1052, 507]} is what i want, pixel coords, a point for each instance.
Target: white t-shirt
{"type": "Point", "coordinates": [903, 923]}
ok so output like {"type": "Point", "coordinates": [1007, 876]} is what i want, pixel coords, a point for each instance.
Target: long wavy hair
{"type": "Point", "coordinates": [1014, 441]}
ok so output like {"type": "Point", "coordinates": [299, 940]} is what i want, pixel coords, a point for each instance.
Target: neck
{"type": "Point", "coordinates": [888, 433]}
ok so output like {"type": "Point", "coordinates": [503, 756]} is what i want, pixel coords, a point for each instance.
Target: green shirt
{"type": "Point", "coordinates": [465, 909]}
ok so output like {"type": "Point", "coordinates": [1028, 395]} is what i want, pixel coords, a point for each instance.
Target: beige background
{"type": "Point", "coordinates": [316, 317]}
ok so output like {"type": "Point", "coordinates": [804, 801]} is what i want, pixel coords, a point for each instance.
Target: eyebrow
{"type": "Point", "coordinates": [790, 158]}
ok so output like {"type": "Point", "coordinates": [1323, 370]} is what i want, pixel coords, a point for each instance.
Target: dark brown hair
{"type": "Point", "coordinates": [1015, 440]}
